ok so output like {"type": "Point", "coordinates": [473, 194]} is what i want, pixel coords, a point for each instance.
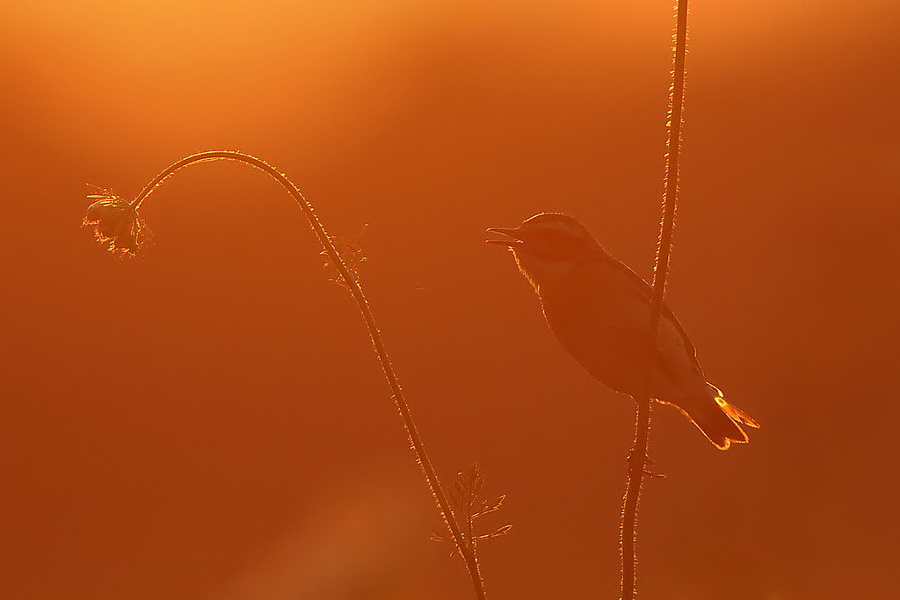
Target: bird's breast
{"type": "Point", "coordinates": [602, 320]}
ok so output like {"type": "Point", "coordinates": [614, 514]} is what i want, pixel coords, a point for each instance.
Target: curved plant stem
{"type": "Point", "coordinates": [465, 548]}
{"type": "Point", "coordinates": [638, 458]}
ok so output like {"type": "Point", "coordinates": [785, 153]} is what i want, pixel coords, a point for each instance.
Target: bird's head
{"type": "Point", "coordinates": [548, 246]}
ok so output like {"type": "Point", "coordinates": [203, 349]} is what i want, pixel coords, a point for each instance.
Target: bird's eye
{"type": "Point", "coordinates": [553, 244]}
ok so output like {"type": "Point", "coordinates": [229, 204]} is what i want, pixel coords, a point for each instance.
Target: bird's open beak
{"type": "Point", "coordinates": [511, 233]}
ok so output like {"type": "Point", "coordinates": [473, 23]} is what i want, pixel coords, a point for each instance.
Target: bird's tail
{"type": "Point", "coordinates": [720, 421]}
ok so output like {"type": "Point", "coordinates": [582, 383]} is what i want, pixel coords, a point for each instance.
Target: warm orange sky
{"type": "Point", "coordinates": [208, 421]}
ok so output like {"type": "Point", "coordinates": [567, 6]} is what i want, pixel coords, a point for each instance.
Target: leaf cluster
{"type": "Point", "coordinates": [352, 253]}
{"type": "Point", "coordinates": [468, 507]}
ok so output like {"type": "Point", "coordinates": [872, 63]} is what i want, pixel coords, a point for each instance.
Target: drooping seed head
{"type": "Point", "coordinates": [117, 225]}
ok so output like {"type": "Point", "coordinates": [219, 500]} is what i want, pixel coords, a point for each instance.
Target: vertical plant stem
{"type": "Point", "coordinates": [636, 463]}
{"type": "Point", "coordinates": [466, 549]}
{"type": "Point", "coordinates": [638, 457]}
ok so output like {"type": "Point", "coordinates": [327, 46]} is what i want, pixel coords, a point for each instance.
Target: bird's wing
{"type": "Point", "coordinates": [647, 292]}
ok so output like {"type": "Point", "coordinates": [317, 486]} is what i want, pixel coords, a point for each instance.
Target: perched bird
{"type": "Point", "coordinates": [599, 310]}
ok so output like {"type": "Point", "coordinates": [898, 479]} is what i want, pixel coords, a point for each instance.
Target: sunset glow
{"type": "Point", "coordinates": [207, 419]}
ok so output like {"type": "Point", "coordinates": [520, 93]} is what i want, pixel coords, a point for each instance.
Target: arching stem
{"type": "Point", "coordinates": [466, 549]}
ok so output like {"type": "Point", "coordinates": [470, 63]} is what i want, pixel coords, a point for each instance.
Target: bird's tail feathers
{"type": "Point", "coordinates": [721, 422]}
{"type": "Point", "coordinates": [733, 412]}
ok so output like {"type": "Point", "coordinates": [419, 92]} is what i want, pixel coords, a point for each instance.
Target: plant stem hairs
{"type": "Point", "coordinates": [118, 226]}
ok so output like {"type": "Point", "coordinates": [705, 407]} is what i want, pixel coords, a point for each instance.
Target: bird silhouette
{"type": "Point", "coordinates": [599, 309]}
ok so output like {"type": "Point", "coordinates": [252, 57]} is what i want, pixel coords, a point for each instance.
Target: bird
{"type": "Point", "coordinates": [599, 310]}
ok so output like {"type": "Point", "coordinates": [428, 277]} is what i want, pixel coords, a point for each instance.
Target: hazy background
{"type": "Point", "coordinates": [208, 421]}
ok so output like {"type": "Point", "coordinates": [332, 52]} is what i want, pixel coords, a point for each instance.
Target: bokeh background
{"type": "Point", "coordinates": [208, 421]}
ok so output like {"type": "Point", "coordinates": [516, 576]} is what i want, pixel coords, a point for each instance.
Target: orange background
{"type": "Point", "coordinates": [208, 421]}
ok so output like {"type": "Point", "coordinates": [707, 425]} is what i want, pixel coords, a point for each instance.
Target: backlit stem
{"type": "Point", "coordinates": [638, 457]}
{"type": "Point", "coordinates": [465, 548]}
